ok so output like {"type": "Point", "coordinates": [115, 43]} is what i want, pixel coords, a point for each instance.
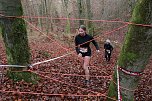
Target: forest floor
{"type": "Point", "coordinates": [63, 79]}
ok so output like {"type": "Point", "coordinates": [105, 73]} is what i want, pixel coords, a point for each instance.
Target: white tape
{"type": "Point", "coordinates": [37, 63]}
{"type": "Point", "coordinates": [12, 66]}
{"type": "Point", "coordinates": [118, 85]}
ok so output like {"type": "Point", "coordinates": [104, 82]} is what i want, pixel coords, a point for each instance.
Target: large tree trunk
{"type": "Point", "coordinates": [14, 33]}
{"type": "Point", "coordinates": [136, 50]}
{"type": "Point", "coordinates": [15, 38]}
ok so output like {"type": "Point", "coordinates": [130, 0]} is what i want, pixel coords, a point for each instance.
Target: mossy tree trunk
{"type": "Point", "coordinates": [14, 33]}
{"type": "Point", "coordinates": [15, 39]}
{"type": "Point", "coordinates": [136, 50]}
{"type": "Point", "coordinates": [15, 36]}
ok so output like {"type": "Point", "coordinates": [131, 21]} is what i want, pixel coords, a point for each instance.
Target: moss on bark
{"type": "Point", "coordinates": [136, 49]}
{"type": "Point", "coordinates": [16, 42]}
{"type": "Point", "coordinates": [112, 88]}
{"type": "Point", "coordinates": [15, 38]}
{"type": "Point", "coordinates": [26, 76]}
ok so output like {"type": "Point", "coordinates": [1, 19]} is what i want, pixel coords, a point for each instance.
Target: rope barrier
{"type": "Point", "coordinates": [125, 71]}
{"type": "Point", "coordinates": [37, 63]}
{"type": "Point", "coordinates": [12, 66]}
{"type": "Point", "coordinates": [73, 85]}
{"type": "Point", "coordinates": [75, 75]}
{"type": "Point", "coordinates": [56, 80]}
{"type": "Point", "coordinates": [80, 44]}
{"type": "Point", "coordinates": [62, 95]}
{"type": "Point", "coordinates": [116, 29]}
{"type": "Point", "coordinates": [130, 72]}
{"type": "Point", "coordinates": [131, 90]}
{"type": "Point", "coordinates": [64, 83]}
{"type": "Point", "coordinates": [75, 19]}
{"type": "Point", "coordinates": [44, 34]}
{"type": "Point", "coordinates": [99, 77]}
{"type": "Point", "coordinates": [84, 75]}
{"type": "Point", "coordinates": [50, 59]}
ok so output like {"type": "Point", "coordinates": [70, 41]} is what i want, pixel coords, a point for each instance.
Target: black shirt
{"type": "Point", "coordinates": [84, 42]}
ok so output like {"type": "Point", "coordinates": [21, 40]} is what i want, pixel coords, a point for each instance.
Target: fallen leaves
{"type": "Point", "coordinates": [63, 85]}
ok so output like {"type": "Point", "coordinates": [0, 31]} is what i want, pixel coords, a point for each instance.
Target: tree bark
{"type": "Point", "coordinates": [89, 16]}
{"type": "Point", "coordinates": [81, 11]}
{"type": "Point", "coordinates": [16, 42]}
{"type": "Point", "coordinates": [135, 52]}
{"type": "Point", "coordinates": [47, 15]}
{"type": "Point", "coordinates": [15, 38]}
{"type": "Point", "coordinates": [14, 33]}
{"type": "Point", "coordinates": [50, 3]}
{"type": "Point", "coordinates": [65, 7]}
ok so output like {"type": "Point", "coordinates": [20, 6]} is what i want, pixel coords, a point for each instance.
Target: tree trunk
{"type": "Point", "coordinates": [50, 3]}
{"type": "Point", "coordinates": [38, 23]}
{"type": "Point", "coordinates": [47, 22]}
{"type": "Point", "coordinates": [89, 16]}
{"type": "Point", "coordinates": [14, 33]}
{"type": "Point", "coordinates": [29, 12]}
{"type": "Point", "coordinates": [81, 11]}
{"type": "Point", "coordinates": [131, 5]}
{"type": "Point", "coordinates": [136, 50]}
{"type": "Point", "coordinates": [41, 9]}
{"type": "Point", "coordinates": [65, 7]}
{"type": "Point", "coordinates": [15, 38]}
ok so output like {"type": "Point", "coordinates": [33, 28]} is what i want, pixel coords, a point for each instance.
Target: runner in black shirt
{"type": "Point", "coordinates": [82, 42]}
{"type": "Point", "coordinates": [108, 49]}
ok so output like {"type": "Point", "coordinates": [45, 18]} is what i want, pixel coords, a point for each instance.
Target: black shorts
{"type": "Point", "coordinates": [107, 54]}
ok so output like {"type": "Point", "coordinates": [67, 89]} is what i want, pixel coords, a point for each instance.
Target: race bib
{"type": "Point", "coordinates": [83, 50]}
{"type": "Point", "coordinates": [108, 51]}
